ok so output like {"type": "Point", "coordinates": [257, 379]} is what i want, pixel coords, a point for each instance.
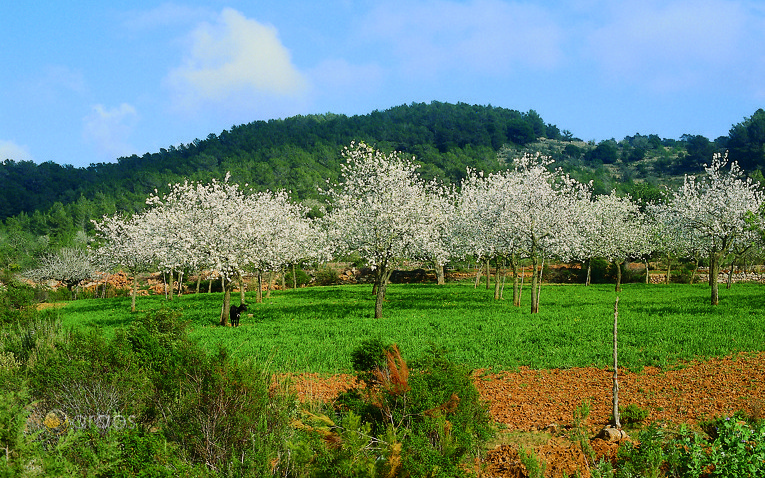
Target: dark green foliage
{"type": "Point", "coordinates": [300, 278]}
{"type": "Point", "coordinates": [734, 447]}
{"type": "Point", "coordinates": [633, 414]}
{"type": "Point", "coordinates": [155, 336]}
{"type": "Point", "coordinates": [220, 411]}
{"type": "Point", "coordinates": [746, 142]}
{"type": "Point", "coordinates": [326, 276]}
{"type": "Point", "coordinates": [606, 152]}
{"type": "Point", "coordinates": [17, 301]}
{"type": "Point", "coordinates": [430, 407]}
{"type": "Point", "coordinates": [369, 356]}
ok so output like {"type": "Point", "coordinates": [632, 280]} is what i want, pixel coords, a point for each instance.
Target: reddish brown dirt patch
{"type": "Point", "coordinates": [540, 401]}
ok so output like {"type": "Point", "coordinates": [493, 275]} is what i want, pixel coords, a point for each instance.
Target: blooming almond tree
{"type": "Point", "coordinates": [485, 221]}
{"type": "Point", "coordinates": [277, 232]}
{"type": "Point", "coordinates": [202, 224]}
{"type": "Point", "coordinates": [716, 209]}
{"type": "Point", "coordinates": [126, 244]}
{"type": "Point", "coordinates": [379, 209]}
{"type": "Point", "coordinates": [546, 213]}
{"type": "Point", "coordinates": [615, 229]}
{"type": "Point", "coordinates": [69, 265]}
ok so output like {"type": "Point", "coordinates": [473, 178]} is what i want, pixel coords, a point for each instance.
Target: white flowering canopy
{"type": "Point", "coordinates": [381, 208]}
{"type": "Point", "coordinates": [714, 208]}
{"type": "Point", "coordinates": [715, 213]}
{"type": "Point", "coordinates": [614, 228]}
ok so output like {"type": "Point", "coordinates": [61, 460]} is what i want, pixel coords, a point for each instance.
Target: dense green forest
{"type": "Point", "coordinates": [48, 205]}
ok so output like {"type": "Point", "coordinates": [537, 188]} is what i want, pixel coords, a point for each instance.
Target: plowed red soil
{"type": "Point", "coordinates": [537, 406]}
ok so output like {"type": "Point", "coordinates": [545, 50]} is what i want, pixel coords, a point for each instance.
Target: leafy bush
{"type": "Point", "coordinates": [327, 276]}
{"type": "Point", "coordinates": [735, 448]}
{"type": "Point", "coordinates": [16, 301]}
{"type": "Point", "coordinates": [154, 336]}
{"type": "Point", "coordinates": [423, 419]}
{"type": "Point", "coordinates": [300, 278]}
{"type": "Point", "coordinates": [223, 412]}
{"type": "Point", "coordinates": [633, 414]}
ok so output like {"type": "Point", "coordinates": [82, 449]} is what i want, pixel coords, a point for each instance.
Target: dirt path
{"type": "Point", "coordinates": [541, 403]}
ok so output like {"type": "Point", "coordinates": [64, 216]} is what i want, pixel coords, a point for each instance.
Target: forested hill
{"type": "Point", "coordinates": [294, 153]}
{"type": "Point", "coordinates": [301, 152]}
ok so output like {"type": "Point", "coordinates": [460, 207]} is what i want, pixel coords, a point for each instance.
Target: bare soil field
{"type": "Point", "coordinates": [535, 408]}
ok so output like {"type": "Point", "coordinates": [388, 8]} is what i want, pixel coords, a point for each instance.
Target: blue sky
{"type": "Point", "coordinates": [86, 82]}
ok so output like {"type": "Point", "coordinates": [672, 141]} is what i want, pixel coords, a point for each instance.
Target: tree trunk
{"type": "Point", "coordinates": [695, 269]}
{"type": "Point", "coordinates": [440, 280]}
{"type": "Point", "coordinates": [268, 285]}
{"type": "Point", "coordinates": [294, 277]}
{"type": "Point", "coordinates": [478, 276]}
{"type": "Point", "coordinates": [669, 268]}
{"type": "Point", "coordinates": [647, 274]}
{"type": "Point", "coordinates": [133, 293]}
{"type": "Point", "coordinates": [488, 274]}
{"type": "Point", "coordinates": [496, 280]}
{"type": "Point", "coordinates": [224, 318]}
{"type": "Point", "coordinates": [199, 280]}
{"type": "Point", "coordinates": [180, 283]}
{"type": "Point", "coordinates": [617, 421]}
{"type": "Point", "coordinates": [539, 282]}
{"type": "Point", "coordinates": [171, 283]}
{"type": "Point", "coordinates": [242, 290]}
{"type": "Point", "coordinates": [618, 275]}
{"type": "Point", "coordinates": [730, 274]}
{"type": "Point", "coordinates": [382, 285]}
{"type": "Point", "coordinates": [714, 271]}
{"type": "Point", "coordinates": [284, 279]}
{"type": "Point", "coordinates": [588, 280]}
{"type": "Point", "coordinates": [520, 289]}
{"type": "Point", "coordinates": [516, 291]}
{"type": "Point", "coordinates": [534, 282]}
{"type": "Point", "coordinates": [259, 292]}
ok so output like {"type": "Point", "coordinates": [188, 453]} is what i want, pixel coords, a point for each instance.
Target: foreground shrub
{"type": "Point", "coordinates": [733, 447]}
{"type": "Point", "coordinates": [223, 413]}
{"type": "Point", "coordinates": [423, 419]}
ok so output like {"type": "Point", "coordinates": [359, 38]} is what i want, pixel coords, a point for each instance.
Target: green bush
{"type": "Point", "coordinates": [734, 447]}
{"type": "Point", "coordinates": [427, 414]}
{"type": "Point", "coordinates": [633, 414]}
{"type": "Point", "coordinates": [17, 301]}
{"type": "Point", "coordinates": [301, 278]}
{"type": "Point", "coordinates": [327, 276]}
{"type": "Point", "coordinates": [223, 412]}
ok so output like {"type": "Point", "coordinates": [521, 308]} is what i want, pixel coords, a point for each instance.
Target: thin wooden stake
{"type": "Point", "coordinates": [617, 422]}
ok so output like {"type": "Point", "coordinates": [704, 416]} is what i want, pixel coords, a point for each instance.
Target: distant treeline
{"type": "Point", "coordinates": [302, 152]}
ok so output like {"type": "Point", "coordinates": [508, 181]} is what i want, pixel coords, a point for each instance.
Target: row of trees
{"type": "Point", "coordinates": [385, 212]}
{"type": "Point", "coordinates": [382, 210]}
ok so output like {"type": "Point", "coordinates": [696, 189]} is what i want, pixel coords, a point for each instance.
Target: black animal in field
{"type": "Point", "coordinates": [235, 312]}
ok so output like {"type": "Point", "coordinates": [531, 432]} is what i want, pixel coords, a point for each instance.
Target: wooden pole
{"type": "Point", "coordinates": [617, 422]}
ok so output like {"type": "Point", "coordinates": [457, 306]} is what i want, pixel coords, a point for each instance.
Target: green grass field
{"type": "Point", "coordinates": [315, 329]}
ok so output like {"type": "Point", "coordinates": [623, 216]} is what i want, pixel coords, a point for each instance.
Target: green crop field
{"type": "Point", "coordinates": [315, 329]}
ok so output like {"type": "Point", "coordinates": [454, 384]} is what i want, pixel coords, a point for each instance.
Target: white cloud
{"type": "Point", "coordinates": [11, 150]}
{"type": "Point", "coordinates": [108, 130]}
{"type": "Point", "coordinates": [486, 36]}
{"type": "Point", "coordinates": [234, 63]}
